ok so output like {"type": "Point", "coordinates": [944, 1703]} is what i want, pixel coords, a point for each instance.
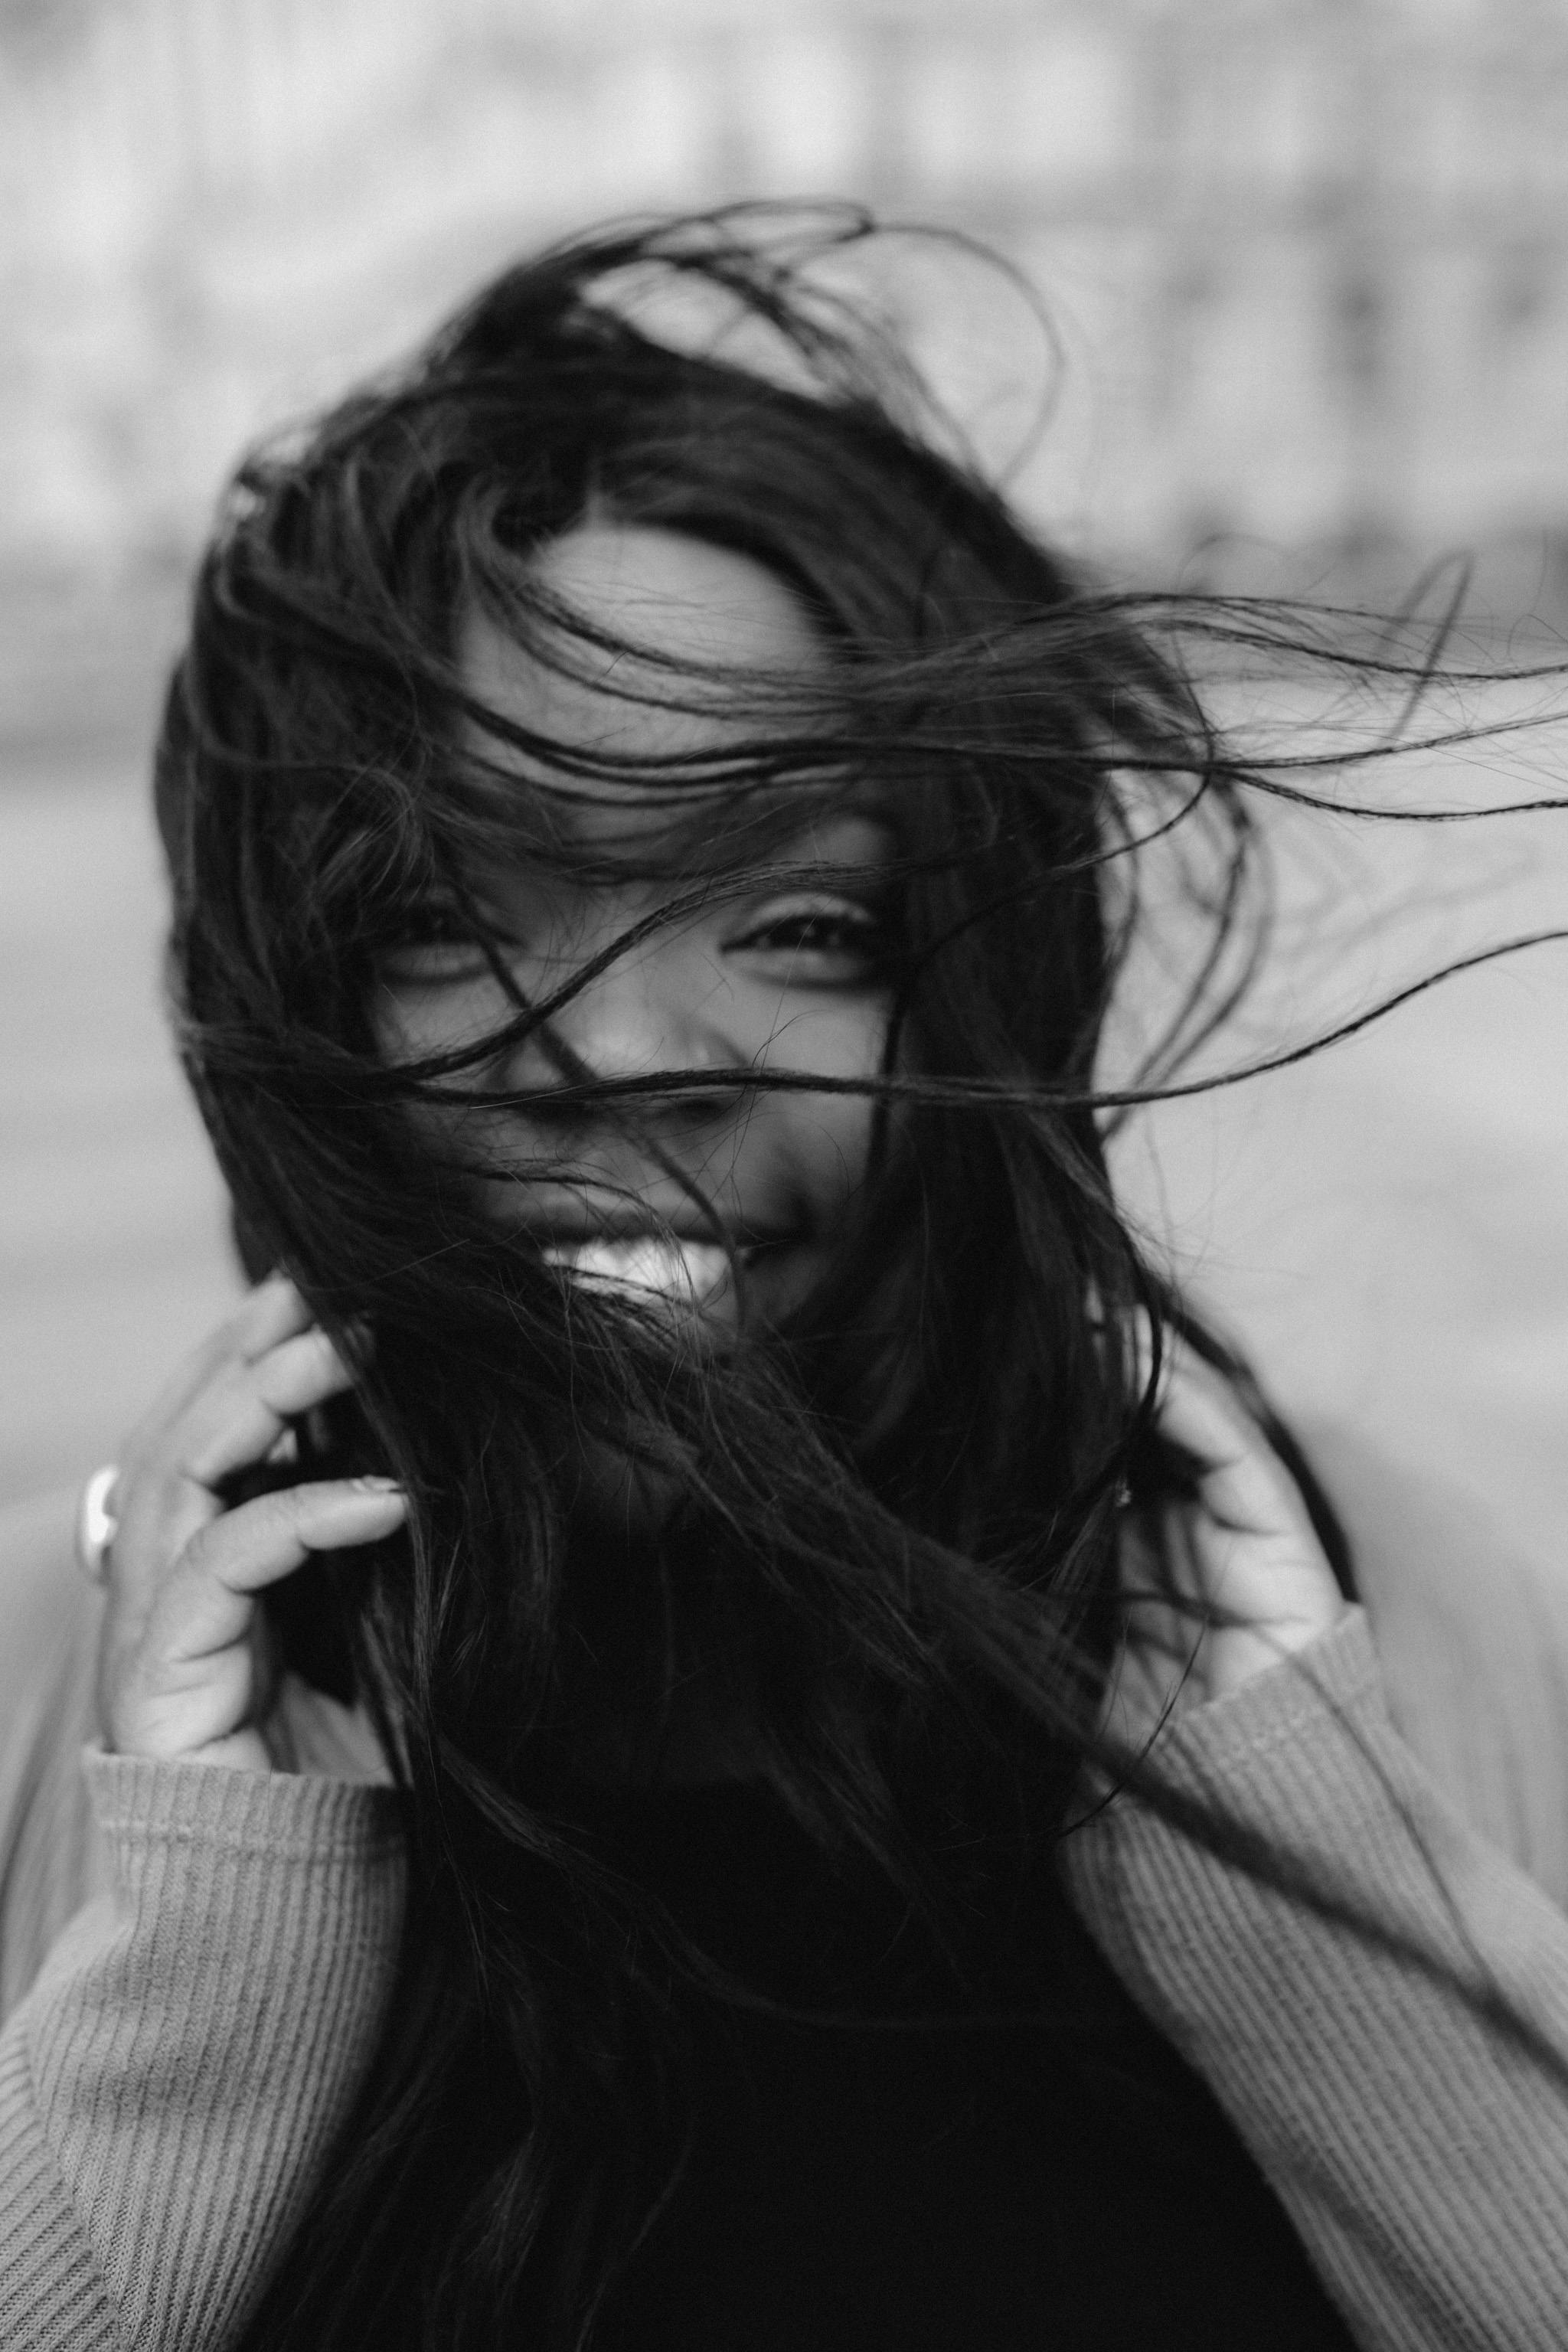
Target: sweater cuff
{"type": "Point", "coordinates": [140, 1803]}
{"type": "Point", "coordinates": [1337, 1677]}
{"type": "Point", "coordinates": [1307, 1755]}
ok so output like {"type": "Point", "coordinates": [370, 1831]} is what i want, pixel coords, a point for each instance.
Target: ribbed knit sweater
{"type": "Point", "coordinates": [195, 1966]}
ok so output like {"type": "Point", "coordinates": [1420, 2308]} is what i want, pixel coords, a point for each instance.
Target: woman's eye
{"type": "Point", "coordinates": [432, 946]}
{"type": "Point", "coordinates": [426, 967]}
{"type": "Point", "coordinates": [837, 931]}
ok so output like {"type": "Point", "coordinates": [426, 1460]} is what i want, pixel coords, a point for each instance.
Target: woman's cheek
{"type": "Point", "coordinates": [852, 1124]}
{"type": "Point", "coordinates": [834, 1130]}
{"type": "Point", "coordinates": [411, 1022]}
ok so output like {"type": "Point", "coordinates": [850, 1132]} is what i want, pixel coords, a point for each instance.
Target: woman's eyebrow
{"type": "Point", "coordinates": [874, 846]}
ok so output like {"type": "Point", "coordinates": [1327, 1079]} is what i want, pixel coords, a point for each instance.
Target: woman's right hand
{"type": "Point", "coordinates": [184, 1669]}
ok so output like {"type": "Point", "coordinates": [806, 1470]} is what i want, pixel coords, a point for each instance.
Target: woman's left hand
{"type": "Point", "coordinates": [1251, 1581]}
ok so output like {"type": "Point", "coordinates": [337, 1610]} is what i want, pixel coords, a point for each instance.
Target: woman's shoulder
{"type": "Point", "coordinates": [48, 1621]}
{"type": "Point", "coordinates": [1471, 1634]}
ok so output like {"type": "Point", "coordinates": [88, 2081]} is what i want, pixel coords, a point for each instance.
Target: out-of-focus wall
{"type": "Point", "coordinates": [1306, 257]}
{"type": "Point", "coordinates": [1308, 264]}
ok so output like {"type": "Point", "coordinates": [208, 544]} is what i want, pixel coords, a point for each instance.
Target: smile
{"type": "Point", "coordinates": [649, 1265]}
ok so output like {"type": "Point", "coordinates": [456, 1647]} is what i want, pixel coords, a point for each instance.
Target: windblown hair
{"type": "Point", "coordinates": [897, 1518]}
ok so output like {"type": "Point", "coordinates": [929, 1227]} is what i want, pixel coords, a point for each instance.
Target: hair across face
{"type": "Point", "coordinates": [710, 1201]}
{"type": "Point", "coordinates": [403, 685]}
{"type": "Point", "coordinates": [626, 810]}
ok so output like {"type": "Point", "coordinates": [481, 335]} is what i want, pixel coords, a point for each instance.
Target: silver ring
{"type": "Point", "coordinates": [96, 1525]}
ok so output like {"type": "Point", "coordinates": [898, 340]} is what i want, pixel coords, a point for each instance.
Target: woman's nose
{"type": "Point", "coordinates": [654, 1012]}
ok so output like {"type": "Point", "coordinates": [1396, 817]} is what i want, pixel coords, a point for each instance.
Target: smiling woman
{"type": "Point", "coordinates": [728, 1199]}
{"type": "Point", "coordinates": [653, 842]}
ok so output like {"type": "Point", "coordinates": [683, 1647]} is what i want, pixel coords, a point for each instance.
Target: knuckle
{"type": "Point", "coordinates": [298, 1369]}
{"type": "Point", "coordinates": [196, 1556]}
{"type": "Point", "coordinates": [286, 1508]}
{"type": "Point", "coordinates": [321, 1356]}
{"type": "Point", "coordinates": [280, 1514]}
{"type": "Point", "coordinates": [237, 1324]}
{"type": "Point", "coordinates": [156, 1511]}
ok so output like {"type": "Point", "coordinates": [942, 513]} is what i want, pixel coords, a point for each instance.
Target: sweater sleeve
{"type": "Point", "coordinates": [171, 2084]}
{"type": "Point", "coordinates": [1420, 2149]}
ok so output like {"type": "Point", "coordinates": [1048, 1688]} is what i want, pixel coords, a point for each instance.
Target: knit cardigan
{"type": "Point", "coordinates": [195, 1965]}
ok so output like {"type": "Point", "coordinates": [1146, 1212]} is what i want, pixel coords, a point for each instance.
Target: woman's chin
{"type": "Point", "coordinates": [634, 1498]}
{"type": "Point", "coordinates": [627, 1498]}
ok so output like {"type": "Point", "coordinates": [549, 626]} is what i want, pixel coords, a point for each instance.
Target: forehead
{"type": "Point", "coordinates": [687, 603]}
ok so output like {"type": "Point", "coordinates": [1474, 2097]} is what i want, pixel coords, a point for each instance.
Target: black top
{"type": "Point", "coordinates": [943, 2185]}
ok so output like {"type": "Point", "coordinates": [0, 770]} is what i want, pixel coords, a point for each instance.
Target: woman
{"type": "Point", "coordinates": [652, 843]}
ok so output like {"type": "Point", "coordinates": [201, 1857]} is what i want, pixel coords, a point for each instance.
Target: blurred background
{"type": "Point", "coordinates": [1306, 264]}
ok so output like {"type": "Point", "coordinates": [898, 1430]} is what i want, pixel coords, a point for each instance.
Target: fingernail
{"type": "Point", "coordinates": [377, 1486]}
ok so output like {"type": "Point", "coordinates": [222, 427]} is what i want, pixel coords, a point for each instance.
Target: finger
{"type": "Point", "coordinates": [270, 1313]}
{"type": "Point", "coordinates": [1141, 1337]}
{"type": "Point", "coordinates": [301, 1372]}
{"type": "Point", "coordinates": [1252, 1548]}
{"type": "Point", "coordinates": [208, 1603]}
{"type": "Point", "coordinates": [1244, 1483]}
{"type": "Point", "coordinates": [1194, 1407]}
{"type": "Point", "coordinates": [240, 1418]}
{"type": "Point", "coordinates": [1200, 1410]}
{"type": "Point", "coordinates": [271, 1537]}
{"type": "Point", "coordinates": [275, 1311]}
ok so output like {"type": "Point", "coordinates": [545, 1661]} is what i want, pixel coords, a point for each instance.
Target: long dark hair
{"type": "Point", "coordinates": [897, 1518]}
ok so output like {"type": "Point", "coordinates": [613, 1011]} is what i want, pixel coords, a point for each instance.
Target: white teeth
{"type": "Point", "coordinates": [652, 1265]}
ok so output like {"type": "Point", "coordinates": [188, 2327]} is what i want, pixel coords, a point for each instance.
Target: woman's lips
{"type": "Point", "coordinates": [647, 1265]}
{"type": "Point", "coordinates": [675, 1270]}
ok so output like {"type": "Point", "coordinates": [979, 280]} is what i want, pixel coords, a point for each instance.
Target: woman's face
{"type": "Point", "coordinates": [786, 978]}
